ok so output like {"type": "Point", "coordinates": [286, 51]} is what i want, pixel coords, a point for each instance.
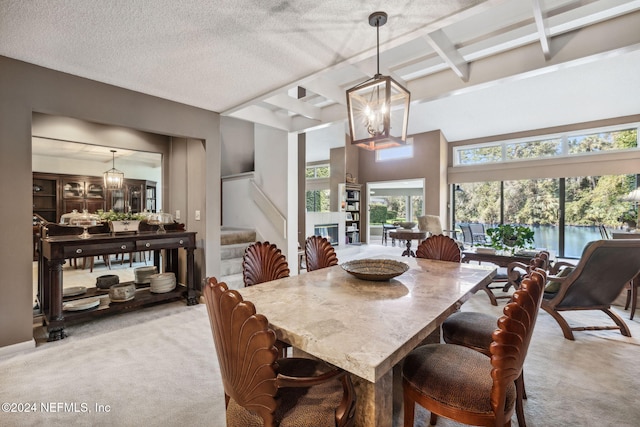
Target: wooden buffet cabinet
{"type": "Point", "coordinates": [54, 250]}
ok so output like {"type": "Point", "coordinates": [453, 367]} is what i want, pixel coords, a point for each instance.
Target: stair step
{"type": "Point", "coordinates": [233, 281]}
{"type": "Point", "coordinates": [234, 236]}
{"type": "Point", "coordinates": [235, 250]}
{"type": "Point", "coordinates": [230, 266]}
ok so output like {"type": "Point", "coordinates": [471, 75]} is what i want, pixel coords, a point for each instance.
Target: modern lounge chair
{"type": "Point", "coordinates": [262, 390]}
{"type": "Point", "coordinates": [604, 269]}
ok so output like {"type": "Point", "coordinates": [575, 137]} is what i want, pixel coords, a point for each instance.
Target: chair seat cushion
{"type": "Point", "coordinates": [554, 286]}
{"type": "Point", "coordinates": [470, 329]}
{"type": "Point", "coordinates": [298, 406]}
{"type": "Point", "coordinates": [454, 376]}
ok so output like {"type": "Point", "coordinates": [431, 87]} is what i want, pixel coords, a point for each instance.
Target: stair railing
{"type": "Point", "coordinates": [267, 207]}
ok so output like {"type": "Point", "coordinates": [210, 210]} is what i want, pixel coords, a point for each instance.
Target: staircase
{"type": "Point", "coordinates": [233, 242]}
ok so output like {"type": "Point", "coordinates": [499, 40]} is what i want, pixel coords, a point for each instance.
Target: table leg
{"type": "Point", "coordinates": [374, 407]}
{"type": "Point", "coordinates": [53, 289]}
{"type": "Point", "coordinates": [192, 298]}
{"type": "Point", "coordinates": [408, 251]}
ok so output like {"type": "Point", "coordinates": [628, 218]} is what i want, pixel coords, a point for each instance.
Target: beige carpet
{"type": "Point", "coordinates": [158, 367]}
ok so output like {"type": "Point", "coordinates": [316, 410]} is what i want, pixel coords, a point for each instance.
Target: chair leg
{"type": "Point", "coordinates": [409, 411]}
{"type": "Point", "coordinates": [624, 329]}
{"type": "Point", "coordinates": [634, 296]}
{"type": "Point", "coordinates": [566, 329]}
{"type": "Point", "coordinates": [520, 394]}
{"type": "Point", "coordinates": [492, 297]}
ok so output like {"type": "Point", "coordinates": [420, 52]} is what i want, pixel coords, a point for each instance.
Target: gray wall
{"type": "Point", "coordinates": [237, 146]}
{"type": "Point", "coordinates": [429, 152]}
{"type": "Point", "coordinates": [25, 89]}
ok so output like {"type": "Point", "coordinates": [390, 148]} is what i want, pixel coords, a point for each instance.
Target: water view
{"type": "Point", "coordinates": [575, 238]}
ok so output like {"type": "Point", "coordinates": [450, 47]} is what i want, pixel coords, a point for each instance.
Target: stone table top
{"type": "Point", "coordinates": [365, 327]}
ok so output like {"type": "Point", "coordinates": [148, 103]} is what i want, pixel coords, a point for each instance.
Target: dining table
{"type": "Point", "coordinates": [408, 236]}
{"type": "Point", "coordinates": [367, 327]}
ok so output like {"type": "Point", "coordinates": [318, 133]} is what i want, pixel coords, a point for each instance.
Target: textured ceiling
{"type": "Point", "coordinates": [474, 68]}
{"type": "Point", "coordinates": [211, 54]}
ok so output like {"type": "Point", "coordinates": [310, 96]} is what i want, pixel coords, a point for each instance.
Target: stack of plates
{"type": "Point", "coordinates": [143, 274]}
{"type": "Point", "coordinates": [163, 282]}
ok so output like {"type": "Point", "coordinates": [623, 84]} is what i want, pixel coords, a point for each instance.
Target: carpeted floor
{"type": "Point", "coordinates": [158, 367]}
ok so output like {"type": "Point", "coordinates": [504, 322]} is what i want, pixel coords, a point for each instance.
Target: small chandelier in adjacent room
{"type": "Point", "coordinates": [378, 108]}
{"type": "Point", "coordinates": [113, 178]}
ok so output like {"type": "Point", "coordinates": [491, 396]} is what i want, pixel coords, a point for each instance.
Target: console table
{"type": "Point", "coordinates": [54, 250]}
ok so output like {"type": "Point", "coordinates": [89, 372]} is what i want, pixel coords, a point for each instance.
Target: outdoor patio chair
{"type": "Point", "coordinates": [604, 269]}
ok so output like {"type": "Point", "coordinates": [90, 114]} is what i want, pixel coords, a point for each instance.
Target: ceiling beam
{"type": "Point", "coordinates": [542, 31]}
{"type": "Point", "coordinates": [443, 46]}
{"type": "Point", "coordinates": [327, 89]}
{"type": "Point", "coordinates": [256, 114]}
{"type": "Point", "coordinates": [296, 106]}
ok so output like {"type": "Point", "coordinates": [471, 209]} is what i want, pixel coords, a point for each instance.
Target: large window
{"type": "Point", "coordinates": [564, 213]}
{"type": "Point", "coordinates": [395, 153]}
{"type": "Point", "coordinates": [317, 194]}
{"type": "Point", "coordinates": [570, 144]}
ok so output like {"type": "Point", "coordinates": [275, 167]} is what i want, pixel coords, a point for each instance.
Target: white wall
{"type": "Point", "coordinates": [271, 175]}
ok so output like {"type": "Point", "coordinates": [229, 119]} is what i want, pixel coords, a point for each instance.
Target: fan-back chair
{"type": "Point", "coordinates": [259, 388]}
{"type": "Point", "coordinates": [439, 247]}
{"type": "Point", "coordinates": [319, 253]}
{"type": "Point", "coordinates": [474, 330]}
{"type": "Point", "coordinates": [604, 269]}
{"type": "Point", "coordinates": [263, 262]}
{"type": "Point", "coordinates": [462, 384]}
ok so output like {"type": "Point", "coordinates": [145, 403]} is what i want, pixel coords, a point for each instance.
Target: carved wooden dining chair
{"type": "Point", "coordinates": [474, 330]}
{"type": "Point", "coordinates": [463, 384]}
{"type": "Point", "coordinates": [439, 247]}
{"type": "Point", "coordinates": [259, 388]}
{"type": "Point", "coordinates": [263, 262]}
{"type": "Point", "coordinates": [319, 253]}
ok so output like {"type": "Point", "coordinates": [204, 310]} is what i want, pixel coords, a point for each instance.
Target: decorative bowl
{"type": "Point", "coordinates": [106, 281]}
{"type": "Point", "coordinates": [375, 269]}
{"type": "Point", "coordinates": [122, 292]}
{"type": "Point", "coordinates": [408, 225]}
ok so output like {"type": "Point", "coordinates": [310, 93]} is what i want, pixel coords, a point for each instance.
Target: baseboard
{"type": "Point", "coordinates": [17, 348]}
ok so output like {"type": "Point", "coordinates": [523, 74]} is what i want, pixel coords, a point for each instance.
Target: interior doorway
{"type": "Point", "coordinates": [390, 202]}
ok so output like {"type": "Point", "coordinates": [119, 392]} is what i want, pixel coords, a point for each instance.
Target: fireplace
{"type": "Point", "coordinates": [330, 231]}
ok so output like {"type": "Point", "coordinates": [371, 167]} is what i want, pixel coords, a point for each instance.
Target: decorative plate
{"type": "Point", "coordinates": [81, 304]}
{"type": "Point", "coordinates": [375, 269]}
{"type": "Point", "coordinates": [73, 291]}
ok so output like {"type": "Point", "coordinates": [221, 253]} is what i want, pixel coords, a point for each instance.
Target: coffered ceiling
{"type": "Point", "coordinates": [474, 68]}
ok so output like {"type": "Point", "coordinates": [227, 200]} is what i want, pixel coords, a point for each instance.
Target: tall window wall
{"type": "Point", "coordinates": [564, 212]}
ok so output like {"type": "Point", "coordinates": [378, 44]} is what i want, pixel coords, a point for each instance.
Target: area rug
{"type": "Point", "coordinates": [157, 367]}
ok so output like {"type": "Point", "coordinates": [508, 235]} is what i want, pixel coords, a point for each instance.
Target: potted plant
{"type": "Point", "coordinates": [120, 221]}
{"type": "Point", "coordinates": [507, 237]}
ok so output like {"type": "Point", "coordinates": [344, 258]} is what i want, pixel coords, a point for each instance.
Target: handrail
{"type": "Point", "coordinates": [267, 207]}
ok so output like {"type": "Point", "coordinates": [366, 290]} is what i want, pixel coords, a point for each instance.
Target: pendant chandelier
{"type": "Point", "coordinates": [113, 178]}
{"type": "Point", "coordinates": [378, 108]}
